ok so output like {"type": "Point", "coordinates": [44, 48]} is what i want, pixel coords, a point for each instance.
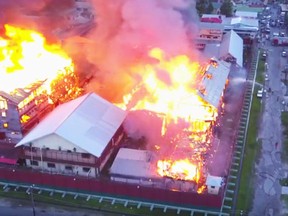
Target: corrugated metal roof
{"type": "Point", "coordinates": [214, 181]}
{"type": "Point", "coordinates": [251, 14]}
{"type": "Point", "coordinates": [232, 44]}
{"type": "Point", "coordinates": [134, 163]}
{"type": "Point", "coordinates": [213, 82]}
{"type": "Point", "coordinates": [19, 94]}
{"type": "Point", "coordinates": [88, 122]}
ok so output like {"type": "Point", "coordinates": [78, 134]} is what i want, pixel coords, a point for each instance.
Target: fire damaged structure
{"type": "Point", "coordinates": [83, 139]}
{"type": "Point", "coordinates": [189, 149]}
{"type": "Point", "coordinates": [22, 109]}
{"type": "Point", "coordinates": [76, 138]}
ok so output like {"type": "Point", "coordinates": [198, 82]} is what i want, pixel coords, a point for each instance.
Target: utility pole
{"type": "Point", "coordinates": [32, 200]}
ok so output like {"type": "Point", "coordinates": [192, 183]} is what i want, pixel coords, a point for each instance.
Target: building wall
{"type": "Point", "coordinates": [114, 143]}
{"type": "Point", "coordinates": [55, 142]}
{"type": "Point", "coordinates": [10, 126]}
{"type": "Point", "coordinates": [213, 190]}
{"type": "Point", "coordinates": [60, 168]}
{"type": "Point", "coordinates": [96, 186]}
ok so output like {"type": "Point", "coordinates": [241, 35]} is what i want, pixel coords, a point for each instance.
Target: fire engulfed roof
{"type": "Point", "coordinates": [213, 82]}
{"type": "Point", "coordinates": [133, 163]}
{"type": "Point", "coordinates": [88, 122]}
{"type": "Point", "coordinates": [19, 94]}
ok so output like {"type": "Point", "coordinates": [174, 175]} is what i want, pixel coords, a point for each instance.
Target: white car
{"type": "Point", "coordinates": [260, 93]}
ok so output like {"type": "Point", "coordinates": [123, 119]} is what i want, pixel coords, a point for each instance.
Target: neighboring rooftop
{"type": "Point", "coordinates": [246, 14]}
{"type": "Point", "coordinates": [20, 94]}
{"type": "Point", "coordinates": [232, 44]}
{"type": "Point", "coordinates": [88, 122]}
{"type": "Point", "coordinates": [134, 163]}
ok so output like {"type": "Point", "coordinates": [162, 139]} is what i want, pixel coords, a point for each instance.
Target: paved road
{"type": "Point", "coordinates": [9, 207]}
{"type": "Point", "coordinates": [269, 168]}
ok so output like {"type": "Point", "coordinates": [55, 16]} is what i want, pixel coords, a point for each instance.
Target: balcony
{"type": "Point", "coordinates": [59, 156]}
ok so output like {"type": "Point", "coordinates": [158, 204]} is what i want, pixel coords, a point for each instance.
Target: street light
{"type": "Point", "coordinates": [32, 200]}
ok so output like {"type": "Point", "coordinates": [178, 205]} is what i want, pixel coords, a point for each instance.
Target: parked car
{"type": "Point", "coordinates": [264, 55]}
{"type": "Point", "coordinates": [260, 93]}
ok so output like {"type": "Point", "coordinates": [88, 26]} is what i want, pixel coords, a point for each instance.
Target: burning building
{"type": "Point", "coordinates": [188, 113]}
{"type": "Point", "coordinates": [28, 78]}
{"type": "Point", "coordinates": [172, 98]}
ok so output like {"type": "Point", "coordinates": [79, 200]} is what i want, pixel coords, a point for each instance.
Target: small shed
{"type": "Point", "coordinates": [214, 184]}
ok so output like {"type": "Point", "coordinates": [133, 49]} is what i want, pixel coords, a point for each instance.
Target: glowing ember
{"type": "Point", "coordinates": [25, 57]}
{"type": "Point", "coordinates": [182, 169]}
{"type": "Point", "coordinates": [169, 88]}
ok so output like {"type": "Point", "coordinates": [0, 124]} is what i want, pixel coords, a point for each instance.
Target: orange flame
{"type": "Point", "coordinates": [182, 169]}
{"type": "Point", "coordinates": [26, 57]}
{"type": "Point", "coordinates": [169, 88]}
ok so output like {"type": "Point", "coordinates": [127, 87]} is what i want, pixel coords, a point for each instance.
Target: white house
{"type": "Point", "coordinates": [77, 137]}
{"type": "Point", "coordinates": [214, 184]}
{"type": "Point", "coordinates": [231, 48]}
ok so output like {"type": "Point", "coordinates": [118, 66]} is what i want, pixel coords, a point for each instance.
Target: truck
{"type": "Point", "coordinates": [279, 41]}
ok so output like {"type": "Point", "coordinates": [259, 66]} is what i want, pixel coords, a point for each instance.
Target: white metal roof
{"type": "Point", "coordinates": [214, 181]}
{"type": "Point", "coordinates": [242, 21]}
{"type": "Point", "coordinates": [213, 82]}
{"type": "Point", "coordinates": [247, 14]}
{"type": "Point", "coordinates": [134, 163]}
{"type": "Point", "coordinates": [232, 44]}
{"type": "Point", "coordinates": [88, 122]}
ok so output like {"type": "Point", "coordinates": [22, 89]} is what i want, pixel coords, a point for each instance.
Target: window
{"type": "Point", "coordinates": [213, 187]}
{"type": "Point", "coordinates": [34, 163]}
{"type": "Point", "coordinates": [5, 125]}
{"type": "Point", "coordinates": [86, 169]}
{"type": "Point", "coordinates": [3, 114]}
{"type": "Point", "coordinates": [69, 168]}
{"type": "Point", "coordinates": [51, 165]}
{"type": "Point", "coordinates": [3, 104]}
{"type": "Point", "coordinates": [85, 155]}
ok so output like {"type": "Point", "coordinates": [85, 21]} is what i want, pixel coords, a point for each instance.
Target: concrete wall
{"type": "Point", "coordinates": [62, 168]}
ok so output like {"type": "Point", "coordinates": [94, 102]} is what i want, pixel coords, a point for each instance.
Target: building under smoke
{"type": "Point", "coordinates": [22, 109]}
{"type": "Point", "coordinates": [187, 147]}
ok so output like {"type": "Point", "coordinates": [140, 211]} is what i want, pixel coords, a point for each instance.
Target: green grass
{"type": "Point", "coordinates": [261, 68]}
{"type": "Point", "coordinates": [252, 148]}
{"type": "Point", "coordinates": [93, 203]}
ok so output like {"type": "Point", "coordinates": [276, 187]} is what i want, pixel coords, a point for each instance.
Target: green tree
{"type": "Point", "coordinates": [201, 7]}
{"type": "Point", "coordinates": [227, 8]}
{"type": "Point", "coordinates": [210, 8]}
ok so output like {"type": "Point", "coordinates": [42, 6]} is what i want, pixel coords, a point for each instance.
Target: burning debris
{"type": "Point", "coordinates": [35, 73]}
{"type": "Point", "coordinates": [173, 89]}
{"type": "Point", "coordinates": [146, 59]}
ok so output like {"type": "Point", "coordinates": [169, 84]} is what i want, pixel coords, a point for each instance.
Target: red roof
{"type": "Point", "coordinates": [8, 161]}
{"type": "Point", "coordinates": [211, 20]}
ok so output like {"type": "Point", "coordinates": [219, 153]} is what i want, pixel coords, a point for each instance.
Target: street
{"type": "Point", "coordinates": [11, 207]}
{"type": "Point", "coordinates": [269, 168]}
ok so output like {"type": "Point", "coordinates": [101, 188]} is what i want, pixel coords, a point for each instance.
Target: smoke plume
{"type": "Point", "coordinates": [126, 31]}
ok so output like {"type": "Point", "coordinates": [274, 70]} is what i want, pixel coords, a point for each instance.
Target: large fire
{"type": "Point", "coordinates": [26, 57]}
{"type": "Point", "coordinates": [169, 88]}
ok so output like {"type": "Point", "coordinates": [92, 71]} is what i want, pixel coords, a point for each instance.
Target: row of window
{"type": "Point", "coordinates": [53, 165]}
{"type": "Point", "coordinates": [83, 155]}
